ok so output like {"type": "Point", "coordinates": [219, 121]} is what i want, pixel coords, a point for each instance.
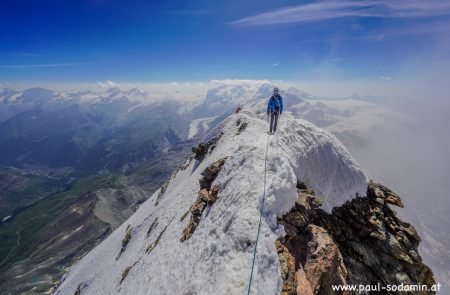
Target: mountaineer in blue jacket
{"type": "Point", "coordinates": [274, 109]}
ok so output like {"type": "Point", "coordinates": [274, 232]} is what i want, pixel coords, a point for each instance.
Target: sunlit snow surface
{"type": "Point", "coordinates": [199, 125]}
{"type": "Point", "coordinates": [217, 258]}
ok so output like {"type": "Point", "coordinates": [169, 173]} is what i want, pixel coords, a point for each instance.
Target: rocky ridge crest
{"type": "Point", "coordinates": [362, 242]}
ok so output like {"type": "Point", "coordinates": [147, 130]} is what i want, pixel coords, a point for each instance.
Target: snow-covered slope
{"type": "Point", "coordinates": [199, 126]}
{"type": "Point", "coordinates": [222, 100]}
{"type": "Point", "coordinates": [217, 257]}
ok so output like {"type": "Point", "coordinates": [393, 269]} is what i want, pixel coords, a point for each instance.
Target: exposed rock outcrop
{"type": "Point", "coordinates": [126, 271]}
{"type": "Point", "coordinates": [152, 226]}
{"type": "Point", "coordinates": [125, 241]}
{"type": "Point", "coordinates": [287, 268]}
{"type": "Point", "coordinates": [202, 148]}
{"type": "Point", "coordinates": [362, 242]}
{"type": "Point", "coordinates": [241, 124]}
{"type": "Point", "coordinates": [207, 195]}
{"type": "Point", "coordinates": [155, 243]}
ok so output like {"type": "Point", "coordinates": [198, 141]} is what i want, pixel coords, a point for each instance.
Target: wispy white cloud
{"type": "Point", "coordinates": [326, 10]}
{"type": "Point", "coordinates": [108, 84]}
{"type": "Point", "coordinates": [386, 78]}
{"type": "Point", "coordinates": [30, 66]}
{"type": "Point", "coordinates": [437, 28]}
{"type": "Point", "coordinates": [240, 81]}
{"type": "Point", "coordinates": [275, 64]}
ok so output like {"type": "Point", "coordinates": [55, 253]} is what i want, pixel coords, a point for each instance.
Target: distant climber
{"type": "Point", "coordinates": [238, 109]}
{"type": "Point", "coordinates": [274, 109]}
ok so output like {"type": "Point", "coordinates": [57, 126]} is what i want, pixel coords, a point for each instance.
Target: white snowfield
{"type": "Point", "coordinates": [199, 125]}
{"type": "Point", "coordinates": [217, 258]}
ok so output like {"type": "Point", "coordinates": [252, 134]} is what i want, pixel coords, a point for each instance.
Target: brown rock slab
{"type": "Point", "coordinates": [324, 264]}
{"type": "Point", "coordinates": [303, 285]}
{"type": "Point", "coordinates": [296, 219]}
{"type": "Point", "coordinates": [379, 191]}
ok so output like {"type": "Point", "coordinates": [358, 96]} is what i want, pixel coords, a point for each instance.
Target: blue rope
{"type": "Point", "coordinates": [260, 219]}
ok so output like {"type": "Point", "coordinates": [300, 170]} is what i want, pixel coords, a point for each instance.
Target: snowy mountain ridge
{"type": "Point", "coordinates": [146, 256]}
{"type": "Point", "coordinates": [223, 99]}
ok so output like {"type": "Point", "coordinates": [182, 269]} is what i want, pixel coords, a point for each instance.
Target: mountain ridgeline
{"type": "Point", "coordinates": [197, 234]}
{"type": "Point", "coordinates": [361, 243]}
{"type": "Point", "coordinates": [123, 194]}
{"type": "Point", "coordinates": [108, 133]}
{"type": "Point", "coordinates": [73, 167]}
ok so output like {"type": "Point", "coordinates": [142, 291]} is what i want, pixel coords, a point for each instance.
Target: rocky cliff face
{"type": "Point", "coordinates": [362, 242]}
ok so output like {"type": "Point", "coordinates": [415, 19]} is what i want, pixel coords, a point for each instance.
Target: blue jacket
{"type": "Point", "coordinates": [275, 104]}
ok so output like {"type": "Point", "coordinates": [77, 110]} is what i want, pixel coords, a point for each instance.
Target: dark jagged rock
{"type": "Point", "coordinates": [198, 207]}
{"type": "Point", "coordinates": [301, 185]}
{"type": "Point", "coordinates": [126, 271]}
{"type": "Point", "coordinates": [209, 196]}
{"type": "Point", "coordinates": [152, 226]}
{"type": "Point", "coordinates": [379, 191]}
{"type": "Point", "coordinates": [79, 288]}
{"type": "Point", "coordinates": [155, 243]}
{"type": "Point", "coordinates": [125, 274]}
{"type": "Point", "coordinates": [296, 219]}
{"type": "Point", "coordinates": [242, 125]}
{"type": "Point", "coordinates": [125, 241]}
{"type": "Point", "coordinates": [308, 199]}
{"type": "Point", "coordinates": [184, 215]}
{"type": "Point", "coordinates": [190, 228]}
{"type": "Point", "coordinates": [362, 242]}
{"type": "Point", "coordinates": [206, 196]}
{"type": "Point", "coordinates": [210, 173]}
{"type": "Point", "coordinates": [202, 148]}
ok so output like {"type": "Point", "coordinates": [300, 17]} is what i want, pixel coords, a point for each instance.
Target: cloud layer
{"type": "Point", "coordinates": [326, 10]}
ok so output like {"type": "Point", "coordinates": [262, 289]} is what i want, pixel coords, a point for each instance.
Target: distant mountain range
{"type": "Point", "coordinates": [90, 133]}
{"type": "Point", "coordinates": [104, 153]}
{"type": "Point", "coordinates": [98, 154]}
{"type": "Point", "coordinates": [199, 234]}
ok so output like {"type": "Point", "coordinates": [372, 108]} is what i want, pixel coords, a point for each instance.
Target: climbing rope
{"type": "Point", "coordinates": [260, 219]}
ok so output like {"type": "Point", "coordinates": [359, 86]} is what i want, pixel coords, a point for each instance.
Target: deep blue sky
{"type": "Point", "coordinates": [139, 41]}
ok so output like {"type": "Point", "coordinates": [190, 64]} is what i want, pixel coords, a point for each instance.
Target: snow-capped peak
{"type": "Point", "coordinates": [6, 93]}
{"type": "Point", "coordinates": [150, 254]}
{"type": "Point", "coordinates": [226, 97]}
{"type": "Point", "coordinates": [136, 92]}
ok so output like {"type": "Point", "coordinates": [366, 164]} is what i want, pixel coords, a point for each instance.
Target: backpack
{"type": "Point", "coordinates": [276, 103]}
